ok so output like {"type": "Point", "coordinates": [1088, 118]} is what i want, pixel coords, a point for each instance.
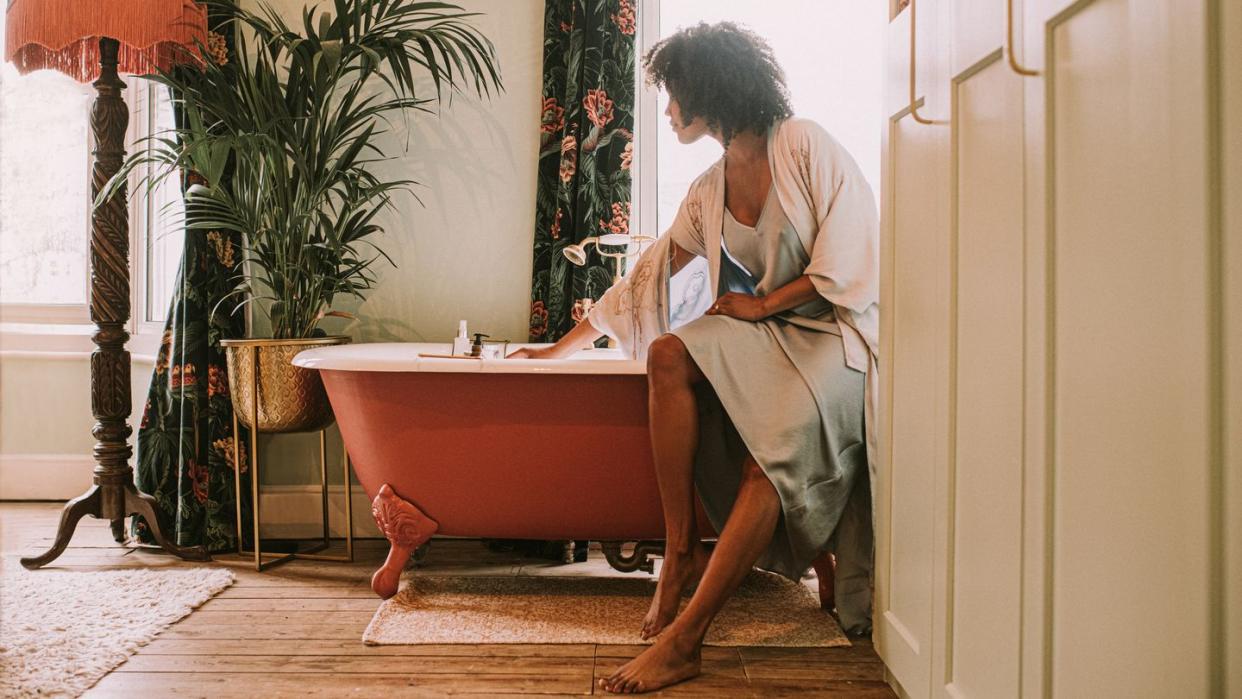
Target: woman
{"type": "Point", "coordinates": [759, 403]}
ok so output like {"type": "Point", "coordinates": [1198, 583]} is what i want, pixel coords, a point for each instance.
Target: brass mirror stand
{"type": "Point", "coordinates": [113, 495]}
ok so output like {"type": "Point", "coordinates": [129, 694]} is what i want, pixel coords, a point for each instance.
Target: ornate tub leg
{"type": "Point", "coordinates": [406, 528]}
{"type": "Point", "coordinates": [825, 569]}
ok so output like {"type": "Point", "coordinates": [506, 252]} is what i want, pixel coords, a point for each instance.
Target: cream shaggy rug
{"type": "Point", "coordinates": [61, 631]}
{"type": "Point", "coordinates": [767, 610]}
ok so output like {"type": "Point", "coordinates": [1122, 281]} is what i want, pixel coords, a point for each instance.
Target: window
{"type": "Point", "coordinates": [832, 56]}
{"type": "Point", "coordinates": [157, 217]}
{"type": "Point", "coordinates": [45, 217]}
{"type": "Point", "coordinates": [44, 191]}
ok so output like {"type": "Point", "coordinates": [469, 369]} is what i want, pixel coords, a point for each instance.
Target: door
{"type": "Point", "coordinates": [914, 296]}
{"type": "Point", "coordinates": [981, 652]}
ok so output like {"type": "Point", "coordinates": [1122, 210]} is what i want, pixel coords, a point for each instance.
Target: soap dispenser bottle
{"type": "Point", "coordinates": [461, 343]}
{"type": "Point", "coordinates": [476, 349]}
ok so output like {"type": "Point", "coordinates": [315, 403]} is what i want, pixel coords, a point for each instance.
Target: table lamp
{"type": "Point", "coordinates": [94, 40]}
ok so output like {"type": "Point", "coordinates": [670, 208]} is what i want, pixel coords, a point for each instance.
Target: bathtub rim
{"type": "Point", "coordinates": [404, 357]}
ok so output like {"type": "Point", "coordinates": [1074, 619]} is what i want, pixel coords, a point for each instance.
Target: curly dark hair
{"type": "Point", "coordinates": [723, 73]}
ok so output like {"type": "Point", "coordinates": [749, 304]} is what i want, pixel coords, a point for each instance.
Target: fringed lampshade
{"type": "Point", "coordinates": [94, 40]}
{"type": "Point", "coordinates": [64, 34]}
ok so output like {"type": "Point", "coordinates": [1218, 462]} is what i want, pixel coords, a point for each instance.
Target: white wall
{"type": "Point", "coordinates": [46, 421]}
{"type": "Point", "coordinates": [466, 251]}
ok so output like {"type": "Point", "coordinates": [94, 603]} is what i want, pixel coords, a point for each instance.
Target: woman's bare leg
{"type": "Point", "coordinates": [676, 654]}
{"type": "Point", "coordinates": [674, 418]}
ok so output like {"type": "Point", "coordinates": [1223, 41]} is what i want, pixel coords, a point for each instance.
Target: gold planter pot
{"type": "Point", "coordinates": [290, 398]}
{"type": "Point", "coordinates": [271, 395]}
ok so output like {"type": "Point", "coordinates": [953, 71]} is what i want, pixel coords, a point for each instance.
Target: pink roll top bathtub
{"type": "Point", "coordinates": [496, 448]}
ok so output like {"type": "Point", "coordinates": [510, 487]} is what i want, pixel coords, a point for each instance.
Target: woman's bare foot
{"type": "Point", "coordinates": [674, 579]}
{"type": "Point", "coordinates": [671, 660]}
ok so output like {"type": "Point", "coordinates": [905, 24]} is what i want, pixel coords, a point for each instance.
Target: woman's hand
{"type": "Point", "coordinates": [534, 353]}
{"type": "Point", "coordinates": [740, 306]}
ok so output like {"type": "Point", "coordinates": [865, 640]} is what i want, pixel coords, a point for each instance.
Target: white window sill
{"type": "Point", "coordinates": [68, 341]}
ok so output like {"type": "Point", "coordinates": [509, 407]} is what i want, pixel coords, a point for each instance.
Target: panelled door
{"type": "Point", "coordinates": [1130, 252]}
{"type": "Point", "coordinates": [914, 294]}
{"type": "Point", "coordinates": [981, 652]}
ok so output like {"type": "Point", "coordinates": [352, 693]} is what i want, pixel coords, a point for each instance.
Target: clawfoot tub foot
{"type": "Point", "coordinates": [406, 528]}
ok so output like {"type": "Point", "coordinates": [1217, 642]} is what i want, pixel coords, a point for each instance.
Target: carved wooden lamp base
{"type": "Point", "coordinates": [114, 496]}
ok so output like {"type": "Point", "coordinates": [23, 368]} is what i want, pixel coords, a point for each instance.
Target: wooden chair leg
{"type": "Point", "coordinates": [825, 568]}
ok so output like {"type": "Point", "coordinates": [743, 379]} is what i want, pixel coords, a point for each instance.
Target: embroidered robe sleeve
{"type": "Point", "coordinates": [634, 311]}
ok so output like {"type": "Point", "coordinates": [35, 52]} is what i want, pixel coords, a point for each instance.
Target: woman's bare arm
{"type": "Point", "coordinates": [583, 336]}
{"type": "Point", "coordinates": [792, 295]}
{"type": "Point", "coordinates": [747, 307]}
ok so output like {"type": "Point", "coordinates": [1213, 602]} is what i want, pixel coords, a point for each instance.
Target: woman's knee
{"type": "Point", "coordinates": [668, 359]}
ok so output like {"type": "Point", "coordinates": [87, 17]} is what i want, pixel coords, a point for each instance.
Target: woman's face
{"type": "Point", "coordinates": [685, 134]}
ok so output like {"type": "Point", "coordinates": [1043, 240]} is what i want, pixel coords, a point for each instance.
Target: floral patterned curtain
{"type": "Point", "coordinates": [586, 147]}
{"type": "Point", "coordinates": [185, 439]}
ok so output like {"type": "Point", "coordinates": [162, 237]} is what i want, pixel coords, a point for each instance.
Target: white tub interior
{"type": "Point", "coordinates": [404, 356]}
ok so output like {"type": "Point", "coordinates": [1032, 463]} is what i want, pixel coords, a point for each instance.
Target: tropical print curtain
{"type": "Point", "coordinates": [586, 147]}
{"type": "Point", "coordinates": [185, 439]}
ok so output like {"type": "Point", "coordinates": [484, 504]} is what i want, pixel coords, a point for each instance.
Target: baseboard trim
{"type": "Point", "coordinates": [288, 511]}
{"type": "Point", "coordinates": [45, 476]}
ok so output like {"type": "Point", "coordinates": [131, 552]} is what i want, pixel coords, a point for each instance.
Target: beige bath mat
{"type": "Point", "coordinates": [767, 610]}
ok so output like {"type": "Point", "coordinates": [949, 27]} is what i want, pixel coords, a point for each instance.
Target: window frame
{"type": "Point", "coordinates": [65, 329]}
{"type": "Point", "coordinates": [645, 186]}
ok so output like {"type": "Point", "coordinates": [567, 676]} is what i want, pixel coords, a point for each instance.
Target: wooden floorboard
{"type": "Point", "coordinates": [295, 631]}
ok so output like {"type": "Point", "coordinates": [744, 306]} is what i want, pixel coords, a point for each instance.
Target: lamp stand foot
{"type": "Point", "coordinates": [144, 505]}
{"type": "Point", "coordinates": [75, 510]}
{"type": "Point", "coordinates": [91, 503]}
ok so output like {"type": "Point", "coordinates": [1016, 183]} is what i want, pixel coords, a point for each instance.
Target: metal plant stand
{"type": "Point", "coordinates": [312, 553]}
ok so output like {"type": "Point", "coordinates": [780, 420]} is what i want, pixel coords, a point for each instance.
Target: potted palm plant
{"type": "Point", "coordinates": [281, 142]}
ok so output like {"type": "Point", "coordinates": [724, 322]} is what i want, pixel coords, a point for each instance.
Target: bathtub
{"type": "Point", "coordinates": [496, 448]}
{"type": "Point", "coordinates": [499, 448]}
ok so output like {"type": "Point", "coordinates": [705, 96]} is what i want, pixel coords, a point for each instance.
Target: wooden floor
{"type": "Point", "coordinates": [295, 631]}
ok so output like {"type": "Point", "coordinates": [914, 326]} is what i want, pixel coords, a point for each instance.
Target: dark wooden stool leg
{"type": "Point", "coordinates": [825, 569]}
